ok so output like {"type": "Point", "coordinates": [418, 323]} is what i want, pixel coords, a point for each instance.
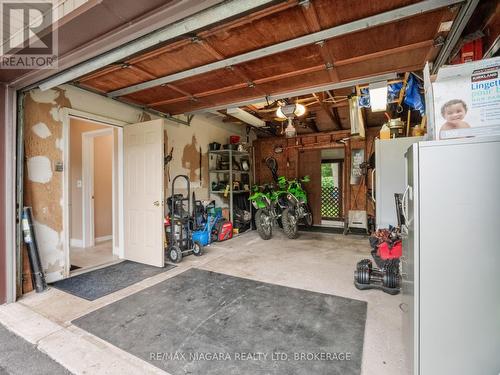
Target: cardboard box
{"type": "Point", "coordinates": [466, 100]}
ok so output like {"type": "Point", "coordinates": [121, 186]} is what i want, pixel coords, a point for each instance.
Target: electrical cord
{"type": "Point", "coordinates": [272, 164]}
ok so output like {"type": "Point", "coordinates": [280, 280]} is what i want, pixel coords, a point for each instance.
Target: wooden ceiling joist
{"type": "Point", "coordinates": [311, 18]}
{"type": "Point", "coordinates": [299, 92]}
{"type": "Point", "coordinates": [391, 51]}
{"type": "Point", "coordinates": [205, 18]}
{"type": "Point", "coordinates": [219, 56]}
{"type": "Point", "coordinates": [350, 27]}
{"type": "Point", "coordinates": [320, 97]}
{"type": "Point", "coordinates": [246, 80]}
{"type": "Point", "coordinates": [283, 50]}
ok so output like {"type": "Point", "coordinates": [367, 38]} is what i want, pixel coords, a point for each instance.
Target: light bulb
{"type": "Point", "coordinates": [279, 113]}
{"type": "Point", "coordinates": [299, 110]}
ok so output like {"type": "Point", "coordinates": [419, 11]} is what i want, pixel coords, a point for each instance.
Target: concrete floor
{"type": "Point", "coordinates": [19, 357]}
{"type": "Point", "coordinates": [317, 262]}
{"type": "Point", "coordinates": [101, 253]}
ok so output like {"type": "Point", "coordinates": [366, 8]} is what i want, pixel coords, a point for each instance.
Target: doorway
{"type": "Point", "coordinates": [92, 194]}
{"type": "Point", "coordinates": [332, 172]}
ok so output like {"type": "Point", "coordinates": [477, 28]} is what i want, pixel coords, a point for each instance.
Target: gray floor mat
{"type": "Point", "coordinates": [19, 357]}
{"type": "Point", "coordinates": [103, 281]}
{"type": "Point", "coordinates": [201, 322]}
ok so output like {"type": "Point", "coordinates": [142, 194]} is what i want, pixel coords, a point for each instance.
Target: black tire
{"type": "Point", "coordinates": [197, 248]}
{"type": "Point", "coordinates": [175, 254]}
{"type": "Point", "coordinates": [308, 219]}
{"type": "Point", "coordinates": [290, 223]}
{"type": "Point", "coordinates": [264, 224]}
{"type": "Point", "coordinates": [280, 222]}
{"type": "Point", "coordinates": [214, 236]}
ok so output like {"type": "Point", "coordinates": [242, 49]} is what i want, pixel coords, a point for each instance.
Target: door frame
{"type": "Point", "coordinates": [118, 225]}
{"type": "Point", "coordinates": [340, 162]}
{"type": "Point", "coordinates": [88, 188]}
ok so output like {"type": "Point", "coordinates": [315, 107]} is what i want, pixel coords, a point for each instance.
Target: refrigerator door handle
{"type": "Point", "coordinates": [405, 204]}
{"type": "Point", "coordinates": [373, 184]}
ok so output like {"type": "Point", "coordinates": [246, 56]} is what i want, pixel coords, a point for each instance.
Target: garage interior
{"type": "Point", "coordinates": [218, 86]}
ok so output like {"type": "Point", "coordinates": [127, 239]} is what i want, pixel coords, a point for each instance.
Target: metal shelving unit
{"type": "Point", "coordinates": [231, 172]}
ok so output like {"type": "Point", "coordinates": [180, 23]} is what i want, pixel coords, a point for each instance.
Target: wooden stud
{"type": "Point", "coordinates": [347, 180]}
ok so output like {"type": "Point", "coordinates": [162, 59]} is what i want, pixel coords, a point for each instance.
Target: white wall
{"type": "Point", "coordinates": [205, 129]}
{"type": "Point", "coordinates": [46, 195]}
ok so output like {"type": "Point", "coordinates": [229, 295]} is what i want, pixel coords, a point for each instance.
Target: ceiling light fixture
{"type": "Point", "coordinates": [378, 96]}
{"type": "Point", "coordinates": [291, 110]}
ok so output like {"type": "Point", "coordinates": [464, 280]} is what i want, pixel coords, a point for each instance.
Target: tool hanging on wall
{"type": "Point", "coordinates": [408, 123]}
{"type": "Point", "coordinates": [272, 164]}
{"type": "Point", "coordinates": [200, 166]}
{"type": "Point", "coordinates": [402, 92]}
{"type": "Point", "coordinates": [167, 160]}
{"type": "Point", "coordinates": [363, 178]}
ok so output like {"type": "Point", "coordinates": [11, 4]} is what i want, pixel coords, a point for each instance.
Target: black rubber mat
{"type": "Point", "coordinates": [98, 283]}
{"type": "Point", "coordinates": [201, 322]}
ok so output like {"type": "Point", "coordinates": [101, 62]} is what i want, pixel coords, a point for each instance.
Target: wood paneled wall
{"type": "Point", "coordinates": [310, 165]}
{"type": "Point", "coordinates": [302, 156]}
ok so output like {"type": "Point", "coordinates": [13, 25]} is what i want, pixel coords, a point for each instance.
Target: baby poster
{"type": "Point", "coordinates": [467, 100]}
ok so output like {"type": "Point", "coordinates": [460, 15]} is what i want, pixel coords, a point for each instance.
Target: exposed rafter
{"type": "Point", "coordinates": [319, 97]}
{"type": "Point", "coordinates": [350, 27]}
{"type": "Point", "coordinates": [218, 13]}
{"type": "Point", "coordinates": [257, 82]}
{"type": "Point", "coordinates": [219, 56]}
{"type": "Point", "coordinates": [301, 92]}
{"type": "Point", "coordinates": [311, 18]}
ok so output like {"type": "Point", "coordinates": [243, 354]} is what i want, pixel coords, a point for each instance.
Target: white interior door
{"type": "Point", "coordinates": [143, 178]}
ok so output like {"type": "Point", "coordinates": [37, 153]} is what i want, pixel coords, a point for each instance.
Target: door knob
{"type": "Point", "coordinates": [156, 203]}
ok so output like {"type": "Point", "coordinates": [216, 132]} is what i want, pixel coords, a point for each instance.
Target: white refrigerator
{"type": "Point", "coordinates": [389, 177]}
{"type": "Point", "coordinates": [451, 257]}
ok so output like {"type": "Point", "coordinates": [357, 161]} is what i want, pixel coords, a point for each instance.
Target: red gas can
{"type": "Point", "coordinates": [226, 231]}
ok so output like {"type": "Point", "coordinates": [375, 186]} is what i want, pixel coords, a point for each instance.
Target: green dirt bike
{"type": "Point", "coordinates": [297, 209]}
{"type": "Point", "coordinates": [266, 199]}
{"type": "Point", "coordinates": [286, 206]}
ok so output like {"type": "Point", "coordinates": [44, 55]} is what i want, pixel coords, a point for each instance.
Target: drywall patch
{"type": "Point", "coordinates": [41, 130]}
{"type": "Point", "coordinates": [60, 144]}
{"type": "Point", "coordinates": [44, 197]}
{"type": "Point", "coordinates": [39, 169]}
{"type": "Point", "coordinates": [55, 113]}
{"type": "Point", "coordinates": [50, 248]}
{"type": "Point", "coordinates": [48, 96]}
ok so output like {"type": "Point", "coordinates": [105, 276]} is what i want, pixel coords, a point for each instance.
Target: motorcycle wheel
{"type": "Point", "coordinates": [264, 224]}
{"type": "Point", "coordinates": [290, 226]}
{"type": "Point", "coordinates": [308, 219]}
